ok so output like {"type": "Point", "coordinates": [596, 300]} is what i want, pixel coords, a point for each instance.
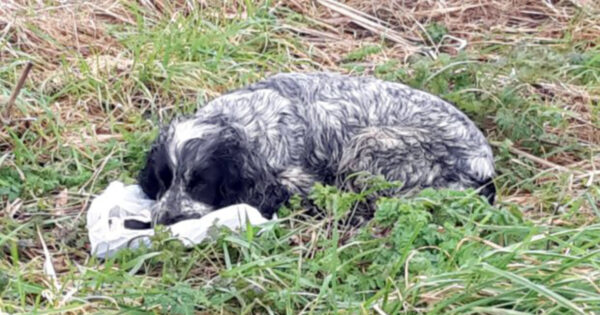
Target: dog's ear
{"type": "Point", "coordinates": [246, 175]}
{"type": "Point", "coordinates": [156, 176]}
{"type": "Point", "coordinates": [232, 158]}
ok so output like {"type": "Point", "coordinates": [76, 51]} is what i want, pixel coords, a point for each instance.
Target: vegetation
{"type": "Point", "coordinates": [106, 74]}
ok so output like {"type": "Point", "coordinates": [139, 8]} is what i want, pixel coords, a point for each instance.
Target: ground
{"type": "Point", "coordinates": [107, 73]}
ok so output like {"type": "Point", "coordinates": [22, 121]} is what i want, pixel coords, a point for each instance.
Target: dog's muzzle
{"type": "Point", "coordinates": [176, 206]}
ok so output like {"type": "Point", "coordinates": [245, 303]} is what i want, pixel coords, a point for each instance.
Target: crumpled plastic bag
{"type": "Point", "coordinates": [108, 212]}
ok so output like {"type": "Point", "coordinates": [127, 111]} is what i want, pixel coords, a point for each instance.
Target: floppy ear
{"type": "Point", "coordinates": [274, 196]}
{"type": "Point", "coordinates": [156, 176]}
{"type": "Point", "coordinates": [246, 175]}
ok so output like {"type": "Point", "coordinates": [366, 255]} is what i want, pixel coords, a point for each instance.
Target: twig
{"type": "Point", "coordinates": [15, 93]}
{"type": "Point", "coordinates": [368, 22]}
{"type": "Point", "coordinates": [535, 158]}
{"type": "Point", "coordinates": [19, 86]}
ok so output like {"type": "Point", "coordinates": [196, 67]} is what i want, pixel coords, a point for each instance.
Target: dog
{"type": "Point", "coordinates": [262, 144]}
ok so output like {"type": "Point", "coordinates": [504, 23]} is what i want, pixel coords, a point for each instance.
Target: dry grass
{"type": "Point", "coordinates": [476, 21]}
{"type": "Point", "coordinates": [471, 24]}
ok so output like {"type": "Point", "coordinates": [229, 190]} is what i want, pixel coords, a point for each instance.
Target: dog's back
{"type": "Point", "coordinates": [260, 144]}
{"type": "Point", "coordinates": [331, 124]}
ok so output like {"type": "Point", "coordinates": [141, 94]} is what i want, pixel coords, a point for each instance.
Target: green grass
{"type": "Point", "coordinates": [87, 115]}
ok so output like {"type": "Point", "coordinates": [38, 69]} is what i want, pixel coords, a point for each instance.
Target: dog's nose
{"type": "Point", "coordinates": [162, 213]}
{"type": "Point", "coordinates": [175, 206]}
{"type": "Point", "coordinates": [160, 217]}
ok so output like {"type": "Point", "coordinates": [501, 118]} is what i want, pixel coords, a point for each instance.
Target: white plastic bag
{"type": "Point", "coordinates": [108, 212]}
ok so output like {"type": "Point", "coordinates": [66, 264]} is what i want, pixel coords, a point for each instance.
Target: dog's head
{"type": "Point", "coordinates": [196, 166]}
{"type": "Point", "coordinates": [193, 168]}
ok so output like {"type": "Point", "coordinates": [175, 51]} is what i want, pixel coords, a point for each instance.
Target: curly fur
{"type": "Point", "coordinates": [262, 143]}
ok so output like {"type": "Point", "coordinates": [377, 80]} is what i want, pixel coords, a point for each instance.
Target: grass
{"type": "Point", "coordinates": [107, 74]}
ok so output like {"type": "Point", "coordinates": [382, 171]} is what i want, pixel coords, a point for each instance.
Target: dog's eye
{"type": "Point", "coordinates": [196, 181]}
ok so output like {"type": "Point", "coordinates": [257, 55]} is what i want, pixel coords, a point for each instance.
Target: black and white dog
{"type": "Point", "coordinates": [261, 144]}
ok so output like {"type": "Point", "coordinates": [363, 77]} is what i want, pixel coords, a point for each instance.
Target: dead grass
{"type": "Point", "coordinates": [471, 25]}
{"type": "Point", "coordinates": [52, 32]}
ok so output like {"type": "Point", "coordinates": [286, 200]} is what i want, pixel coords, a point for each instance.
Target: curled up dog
{"type": "Point", "coordinates": [266, 142]}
